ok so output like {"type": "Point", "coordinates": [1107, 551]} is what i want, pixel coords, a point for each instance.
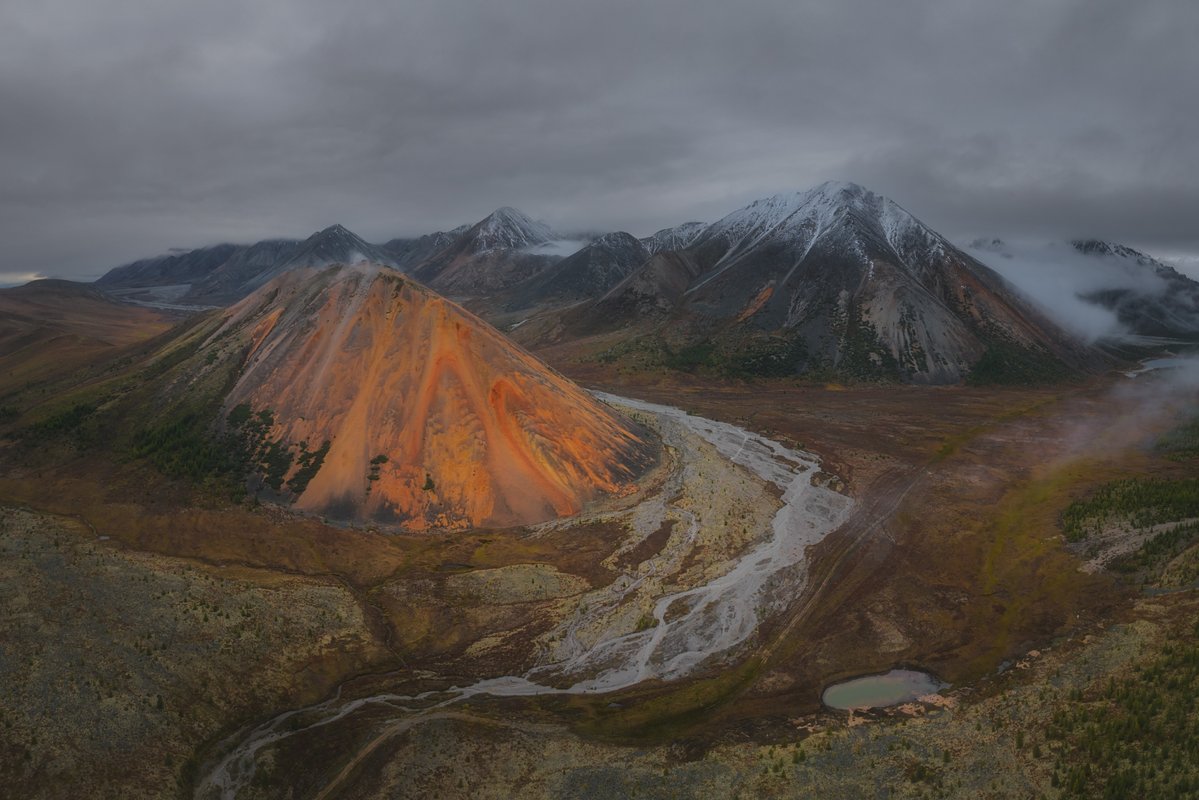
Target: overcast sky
{"type": "Point", "coordinates": [131, 126]}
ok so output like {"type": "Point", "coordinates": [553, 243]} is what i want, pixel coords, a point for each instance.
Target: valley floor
{"type": "Point", "coordinates": [142, 636]}
{"type": "Point", "coordinates": [993, 739]}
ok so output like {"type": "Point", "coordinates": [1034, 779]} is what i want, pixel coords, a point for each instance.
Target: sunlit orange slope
{"type": "Point", "coordinates": [475, 431]}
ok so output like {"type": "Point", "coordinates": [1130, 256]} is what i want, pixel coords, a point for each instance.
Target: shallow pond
{"type": "Point", "coordinates": [879, 691]}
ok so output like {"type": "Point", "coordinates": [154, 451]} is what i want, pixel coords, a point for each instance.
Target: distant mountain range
{"type": "Point", "coordinates": [499, 251]}
{"type": "Point", "coordinates": [836, 279]}
{"type": "Point", "coordinates": [225, 273]}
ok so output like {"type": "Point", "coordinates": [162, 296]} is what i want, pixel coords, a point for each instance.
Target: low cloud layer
{"type": "Point", "coordinates": [131, 126]}
{"type": "Point", "coordinates": [558, 247]}
{"type": "Point", "coordinates": [1057, 277]}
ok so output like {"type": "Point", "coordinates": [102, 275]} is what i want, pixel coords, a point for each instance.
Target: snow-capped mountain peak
{"type": "Point", "coordinates": [816, 210]}
{"type": "Point", "coordinates": [795, 221]}
{"type": "Point", "coordinates": [507, 228]}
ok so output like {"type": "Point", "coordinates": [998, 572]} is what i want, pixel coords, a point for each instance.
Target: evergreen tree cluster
{"type": "Point", "coordinates": [1138, 737]}
{"type": "Point", "coordinates": [188, 447]}
{"type": "Point", "coordinates": [1144, 502]}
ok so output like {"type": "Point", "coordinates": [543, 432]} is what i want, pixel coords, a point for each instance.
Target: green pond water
{"type": "Point", "coordinates": [879, 691]}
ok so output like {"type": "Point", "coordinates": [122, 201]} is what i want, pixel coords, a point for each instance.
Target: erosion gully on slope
{"type": "Point", "coordinates": [719, 615]}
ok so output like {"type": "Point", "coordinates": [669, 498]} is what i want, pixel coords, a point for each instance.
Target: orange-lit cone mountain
{"type": "Point", "coordinates": [474, 431]}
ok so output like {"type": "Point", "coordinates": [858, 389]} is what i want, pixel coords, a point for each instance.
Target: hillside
{"type": "Point", "coordinates": [406, 251]}
{"type": "Point", "coordinates": [587, 274]}
{"type": "Point", "coordinates": [839, 280]}
{"type": "Point", "coordinates": [50, 327]}
{"type": "Point", "coordinates": [367, 397]}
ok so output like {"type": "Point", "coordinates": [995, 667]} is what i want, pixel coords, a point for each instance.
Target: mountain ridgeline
{"type": "Point", "coordinates": [500, 251]}
{"type": "Point", "coordinates": [836, 281]}
{"type": "Point", "coordinates": [226, 273]}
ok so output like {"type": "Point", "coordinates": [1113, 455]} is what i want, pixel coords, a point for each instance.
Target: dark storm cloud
{"type": "Point", "coordinates": [129, 127]}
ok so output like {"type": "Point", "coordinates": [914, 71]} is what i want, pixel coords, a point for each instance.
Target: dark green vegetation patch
{"type": "Point", "coordinates": [1159, 558]}
{"type": "Point", "coordinates": [1182, 443]}
{"type": "Point", "coordinates": [309, 462]}
{"type": "Point", "coordinates": [1138, 737]}
{"type": "Point", "coordinates": [190, 447]}
{"type": "Point", "coordinates": [1007, 363]}
{"type": "Point", "coordinates": [1142, 502]}
{"type": "Point", "coordinates": [745, 358]}
{"type": "Point", "coordinates": [67, 421]}
{"type": "Point", "coordinates": [376, 467]}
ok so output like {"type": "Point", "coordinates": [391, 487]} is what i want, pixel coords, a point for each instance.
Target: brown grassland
{"type": "Point", "coordinates": [230, 612]}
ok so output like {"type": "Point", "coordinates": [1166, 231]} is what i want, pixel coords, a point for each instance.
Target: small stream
{"type": "Point", "coordinates": [720, 615]}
